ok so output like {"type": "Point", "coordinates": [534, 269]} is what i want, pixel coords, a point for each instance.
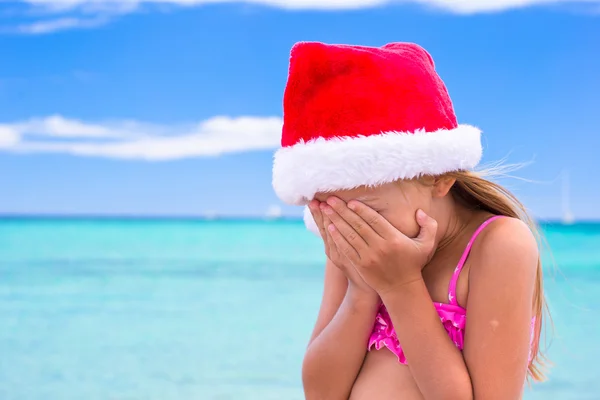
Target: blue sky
{"type": "Point", "coordinates": [161, 108]}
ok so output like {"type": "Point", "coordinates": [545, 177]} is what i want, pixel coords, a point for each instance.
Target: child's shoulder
{"type": "Point", "coordinates": [507, 246]}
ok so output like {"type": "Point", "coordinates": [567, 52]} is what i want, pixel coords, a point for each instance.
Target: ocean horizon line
{"type": "Point", "coordinates": [103, 216]}
{"type": "Point", "coordinates": [203, 218]}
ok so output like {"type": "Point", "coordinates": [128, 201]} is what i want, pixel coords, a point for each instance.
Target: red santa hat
{"type": "Point", "coordinates": [357, 115]}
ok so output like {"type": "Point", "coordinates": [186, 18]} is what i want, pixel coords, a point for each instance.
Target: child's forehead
{"type": "Point", "coordinates": [362, 194]}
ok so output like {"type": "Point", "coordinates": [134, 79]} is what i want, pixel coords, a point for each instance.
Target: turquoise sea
{"type": "Point", "coordinates": [183, 309]}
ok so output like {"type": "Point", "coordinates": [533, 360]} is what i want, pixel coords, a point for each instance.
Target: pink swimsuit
{"type": "Point", "coordinates": [452, 315]}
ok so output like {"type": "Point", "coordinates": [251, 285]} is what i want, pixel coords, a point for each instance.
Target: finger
{"type": "Point", "coordinates": [374, 220]}
{"type": "Point", "coordinates": [426, 237]}
{"type": "Point", "coordinates": [344, 228]}
{"type": "Point", "coordinates": [326, 222]}
{"type": "Point", "coordinates": [358, 224]}
{"type": "Point", "coordinates": [315, 210]}
{"type": "Point", "coordinates": [343, 246]}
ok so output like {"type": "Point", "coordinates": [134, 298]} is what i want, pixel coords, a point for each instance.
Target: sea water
{"type": "Point", "coordinates": [184, 309]}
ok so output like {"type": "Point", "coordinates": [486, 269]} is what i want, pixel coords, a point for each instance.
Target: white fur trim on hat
{"type": "Point", "coordinates": [304, 169]}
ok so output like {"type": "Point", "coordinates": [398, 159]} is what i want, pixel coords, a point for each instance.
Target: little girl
{"type": "Point", "coordinates": [433, 282]}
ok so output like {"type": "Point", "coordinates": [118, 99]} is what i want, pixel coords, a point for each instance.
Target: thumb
{"type": "Point", "coordinates": [426, 237]}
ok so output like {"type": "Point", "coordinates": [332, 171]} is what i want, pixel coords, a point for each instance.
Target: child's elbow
{"type": "Point", "coordinates": [462, 394]}
{"type": "Point", "coordinates": [318, 385]}
{"type": "Point", "coordinates": [458, 394]}
{"type": "Point", "coordinates": [460, 389]}
{"type": "Point", "coordinates": [463, 390]}
{"type": "Point", "coordinates": [310, 379]}
{"type": "Point", "coordinates": [307, 375]}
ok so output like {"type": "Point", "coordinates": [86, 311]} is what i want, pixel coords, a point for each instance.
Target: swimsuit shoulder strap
{"type": "Point", "coordinates": [463, 259]}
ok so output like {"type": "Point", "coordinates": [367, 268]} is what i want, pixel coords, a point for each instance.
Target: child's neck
{"type": "Point", "coordinates": [453, 221]}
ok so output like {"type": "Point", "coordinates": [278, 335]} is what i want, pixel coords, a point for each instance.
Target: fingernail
{"type": "Point", "coordinates": [421, 214]}
{"type": "Point", "coordinates": [352, 205]}
{"type": "Point", "coordinates": [332, 201]}
{"type": "Point", "coordinates": [328, 210]}
{"type": "Point", "coordinates": [331, 227]}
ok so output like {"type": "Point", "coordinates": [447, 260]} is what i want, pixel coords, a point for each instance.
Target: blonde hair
{"type": "Point", "coordinates": [477, 192]}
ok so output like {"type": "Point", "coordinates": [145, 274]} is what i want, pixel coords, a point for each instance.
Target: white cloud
{"type": "Point", "coordinates": [59, 127]}
{"type": "Point", "coordinates": [486, 6]}
{"type": "Point", "coordinates": [461, 6]}
{"type": "Point", "coordinates": [90, 6]}
{"type": "Point", "coordinates": [73, 14]}
{"type": "Point", "coordinates": [8, 137]}
{"type": "Point", "coordinates": [59, 15]}
{"type": "Point", "coordinates": [60, 24]}
{"type": "Point", "coordinates": [138, 140]}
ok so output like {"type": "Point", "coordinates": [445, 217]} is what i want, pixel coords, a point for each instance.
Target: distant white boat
{"type": "Point", "coordinates": [211, 215]}
{"type": "Point", "coordinates": [274, 212]}
{"type": "Point", "coordinates": [568, 218]}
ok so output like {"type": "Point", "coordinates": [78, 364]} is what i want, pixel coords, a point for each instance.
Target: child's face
{"type": "Point", "coordinates": [397, 202]}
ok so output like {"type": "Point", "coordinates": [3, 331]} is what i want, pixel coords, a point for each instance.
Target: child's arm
{"type": "Point", "coordinates": [339, 341]}
{"type": "Point", "coordinates": [436, 364]}
{"type": "Point", "coordinates": [501, 284]}
{"type": "Point", "coordinates": [500, 303]}
{"type": "Point", "coordinates": [334, 289]}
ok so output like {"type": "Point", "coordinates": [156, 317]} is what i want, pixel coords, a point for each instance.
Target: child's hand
{"type": "Point", "coordinates": [331, 250]}
{"type": "Point", "coordinates": [384, 257]}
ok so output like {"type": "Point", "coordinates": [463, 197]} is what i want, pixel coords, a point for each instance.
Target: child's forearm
{"type": "Point", "coordinates": [335, 356]}
{"type": "Point", "coordinates": [436, 364]}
